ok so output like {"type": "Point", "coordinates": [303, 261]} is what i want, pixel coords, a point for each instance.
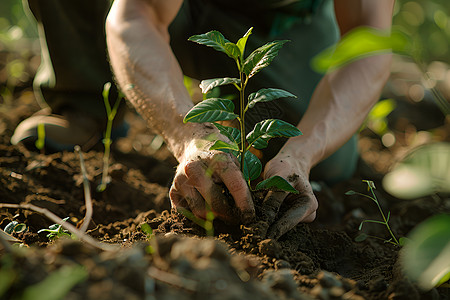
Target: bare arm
{"type": "Point", "coordinates": [337, 109]}
{"type": "Point", "coordinates": [151, 78]}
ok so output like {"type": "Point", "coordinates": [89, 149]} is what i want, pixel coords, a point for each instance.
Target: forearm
{"type": "Point", "coordinates": [337, 109]}
{"type": "Point", "coordinates": [147, 71]}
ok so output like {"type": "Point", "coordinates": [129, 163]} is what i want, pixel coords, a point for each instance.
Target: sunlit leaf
{"type": "Point", "coordinates": [361, 42]}
{"type": "Point", "coordinates": [217, 41]}
{"type": "Point", "coordinates": [208, 84]}
{"type": "Point", "coordinates": [426, 256]}
{"type": "Point", "coordinates": [233, 134]}
{"type": "Point", "coordinates": [276, 183]}
{"type": "Point", "coordinates": [267, 129]}
{"type": "Point", "coordinates": [424, 171]}
{"type": "Point", "coordinates": [361, 237]}
{"type": "Point", "coordinates": [252, 166]}
{"type": "Point", "coordinates": [243, 41]}
{"type": "Point", "coordinates": [266, 95]}
{"type": "Point", "coordinates": [262, 57]}
{"type": "Point", "coordinates": [221, 145]}
{"type": "Point", "coordinates": [211, 110]}
{"type": "Point", "coordinates": [57, 284]}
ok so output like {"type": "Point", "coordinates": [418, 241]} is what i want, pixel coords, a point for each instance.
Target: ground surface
{"type": "Point", "coordinates": [313, 261]}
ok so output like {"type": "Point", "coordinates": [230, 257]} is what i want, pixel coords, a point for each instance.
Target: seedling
{"type": "Point", "coordinates": [206, 224]}
{"type": "Point", "coordinates": [40, 142]}
{"type": "Point", "coordinates": [218, 109]}
{"type": "Point", "coordinates": [56, 231]}
{"type": "Point", "coordinates": [393, 240]}
{"type": "Point", "coordinates": [15, 227]}
{"type": "Point", "coordinates": [111, 114]}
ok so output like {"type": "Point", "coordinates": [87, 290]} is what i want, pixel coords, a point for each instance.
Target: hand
{"type": "Point", "coordinates": [201, 177]}
{"type": "Point", "coordinates": [302, 206]}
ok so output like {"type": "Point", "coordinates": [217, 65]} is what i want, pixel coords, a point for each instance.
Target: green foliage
{"type": "Point", "coordinates": [56, 231]}
{"type": "Point", "coordinates": [426, 255]}
{"type": "Point", "coordinates": [15, 227]}
{"type": "Point", "coordinates": [385, 220]}
{"type": "Point", "coordinates": [361, 42]}
{"type": "Point", "coordinates": [428, 25]}
{"type": "Point", "coordinates": [40, 142]}
{"type": "Point", "coordinates": [57, 284]}
{"type": "Point", "coordinates": [219, 109]}
{"type": "Point", "coordinates": [211, 109]}
{"type": "Point", "coordinates": [207, 224]}
{"type": "Point", "coordinates": [424, 171]}
{"type": "Point", "coordinates": [111, 114]}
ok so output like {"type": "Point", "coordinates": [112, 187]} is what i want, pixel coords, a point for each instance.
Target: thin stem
{"type": "Point", "coordinates": [87, 192]}
{"type": "Point", "coordinates": [384, 218]}
{"type": "Point", "coordinates": [81, 235]}
{"type": "Point", "coordinates": [242, 118]}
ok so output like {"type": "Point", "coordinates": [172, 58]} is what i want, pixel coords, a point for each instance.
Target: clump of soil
{"type": "Point", "coordinates": [320, 260]}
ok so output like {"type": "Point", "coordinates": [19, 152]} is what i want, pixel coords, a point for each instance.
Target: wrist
{"type": "Point", "coordinates": [189, 136]}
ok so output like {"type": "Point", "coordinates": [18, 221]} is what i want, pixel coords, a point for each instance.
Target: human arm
{"type": "Point", "coordinates": [338, 107]}
{"type": "Point", "coordinates": [150, 76]}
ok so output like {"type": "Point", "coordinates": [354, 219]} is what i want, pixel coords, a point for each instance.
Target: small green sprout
{"type": "Point", "coordinates": [111, 114]}
{"type": "Point", "coordinates": [56, 231]}
{"type": "Point", "coordinates": [219, 109]}
{"type": "Point", "coordinates": [393, 240]}
{"type": "Point", "coordinates": [207, 224]}
{"type": "Point", "coordinates": [15, 227]}
{"type": "Point", "coordinates": [40, 142]}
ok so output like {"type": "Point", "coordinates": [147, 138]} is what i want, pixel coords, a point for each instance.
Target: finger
{"type": "Point", "coordinates": [183, 195]}
{"type": "Point", "coordinates": [271, 205]}
{"type": "Point", "coordinates": [211, 192]}
{"type": "Point", "coordinates": [232, 177]}
{"type": "Point", "coordinates": [303, 210]}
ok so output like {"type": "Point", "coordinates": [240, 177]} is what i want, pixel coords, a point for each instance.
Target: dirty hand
{"type": "Point", "coordinates": [302, 206]}
{"type": "Point", "coordinates": [200, 180]}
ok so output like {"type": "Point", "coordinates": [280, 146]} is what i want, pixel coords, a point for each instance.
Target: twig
{"type": "Point", "coordinates": [80, 234]}
{"type": "Point", "coordinates": [87, 192]}
{"type": "Point", "coordinates": [173, 279]}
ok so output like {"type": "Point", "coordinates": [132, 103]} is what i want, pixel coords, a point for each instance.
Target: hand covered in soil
{"type": "Point", "coordinates": [301, 207]}
{"type": "Point", "coordinates": [200, 181]}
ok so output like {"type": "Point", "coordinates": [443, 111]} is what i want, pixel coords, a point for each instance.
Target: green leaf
{"type": "Point", "coordinates": [262, 57]}
{"type": "Point", "coordinates": [426, 256]}
{"type": "Point", "coordinates": [243, 41]}
{"type": "Point", "coordinates": [211, 110]}
{"type": "Point", "coordinates": [57, 284]}
{"type": "Point", "coordinates": [252, 166]}
{"type": "Point", "coordinates": [361, 237]}
{"type": "Point", "coordinates": [267, 129]}
{"type": "Point", "coordinates": [424, 171]}
{"type": "Point", "coordinates": [358, 43]}
{"type": "Point", "coordinates": [276, 183]}
{"type": "Point", "coordinates": [208, 84]}
{"type": "Point", "coordinates": [233, 50]}
{"type": "Point", "coordinates": [266, 95]}
{"type": "Point", "coordinates": [233, 134]}
{"type": "Point", "coordinates": [349, 193]}
{"type": "Point", "coordinates": [217, 41]}
{"type": "Point", "coordinates": [221, 145]}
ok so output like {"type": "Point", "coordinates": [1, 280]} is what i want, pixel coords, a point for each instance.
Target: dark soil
{"type": "Point", "coordinates": [320, 260]}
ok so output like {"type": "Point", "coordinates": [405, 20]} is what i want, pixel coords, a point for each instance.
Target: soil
{"type": "Point", "coordinates": [178, 260]}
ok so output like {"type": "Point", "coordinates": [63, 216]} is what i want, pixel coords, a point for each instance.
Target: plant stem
{"type": "Point", "coordinates": [242, 119]}
{"type": "Point", "coordinates": [384, 218]}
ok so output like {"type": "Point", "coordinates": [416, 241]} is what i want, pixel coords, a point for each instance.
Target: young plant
{"type": "Point", "coordinates": [111, 114]}
{"type": "Point", "coordinates": [393, 240]}
{"type": "Point", "coordinates": [15, 227]}
{"type": "Point", "coordinates": [218, 109]}
{"type": "Point", "coordinates": [56, 231]}
{"type": "Point", "coordinates": [40, 142]}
